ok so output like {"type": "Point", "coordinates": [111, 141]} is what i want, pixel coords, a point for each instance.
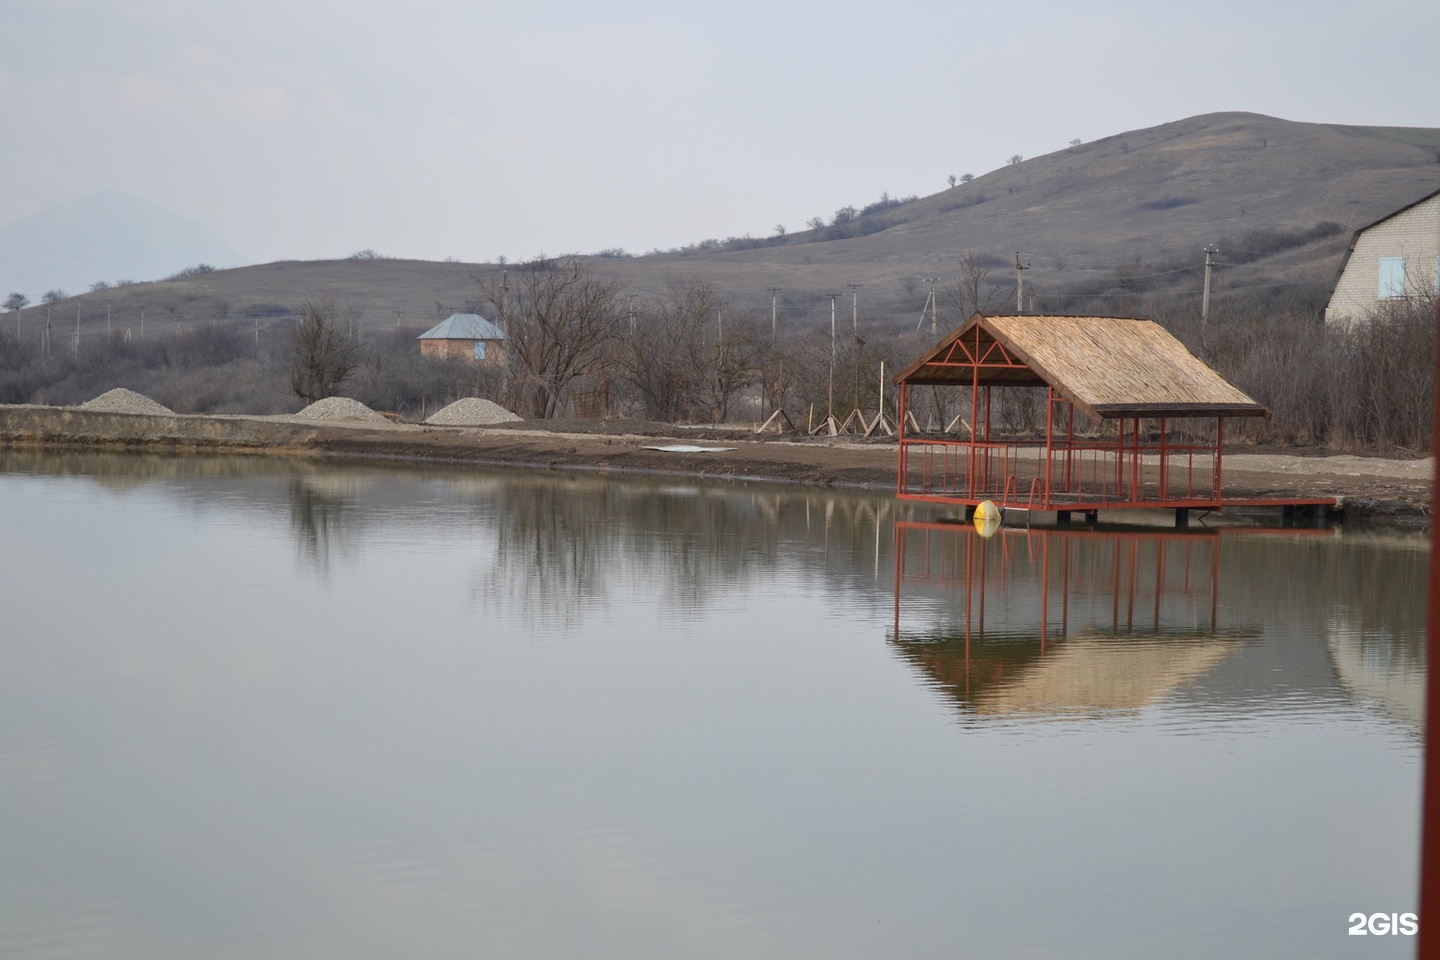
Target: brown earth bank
{"type": "Point", "coordinates": [1368, 488]}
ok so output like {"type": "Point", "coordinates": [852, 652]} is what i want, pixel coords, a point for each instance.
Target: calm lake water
{"type": "Point", "coordinates": [252, 708]}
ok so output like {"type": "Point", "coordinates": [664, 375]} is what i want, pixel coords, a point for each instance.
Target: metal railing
{"type": "Point", "coordinates": [1111, 472]}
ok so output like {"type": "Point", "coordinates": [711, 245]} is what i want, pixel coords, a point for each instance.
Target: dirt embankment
{"type": "Point", "coordinates": [1374, 488]}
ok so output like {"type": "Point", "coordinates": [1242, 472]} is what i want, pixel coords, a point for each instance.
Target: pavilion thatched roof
{"type": "Point", "coordinates": [1106, 366]}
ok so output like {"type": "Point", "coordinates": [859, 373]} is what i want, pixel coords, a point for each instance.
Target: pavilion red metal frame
{"type": "Point", "coordinates": [1134, 463]}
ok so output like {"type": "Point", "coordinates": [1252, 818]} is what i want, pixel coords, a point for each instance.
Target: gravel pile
{"type": "Point", "coordinates": [472, 412]}
{"type": "Point", "coordinates": [121, 400]}
{"type": "Point", "coordinates": [341, 408]}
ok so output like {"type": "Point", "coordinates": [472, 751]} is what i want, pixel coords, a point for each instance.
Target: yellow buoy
{"type": "Point", "coordinates": [987, 518]}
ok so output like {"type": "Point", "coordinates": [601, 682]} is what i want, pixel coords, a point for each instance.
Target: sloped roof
{"type": "Point", "coordinates": [1355, 238]}
{"type": "Point", "coordinates": [463, 326]}
{"type": "Point", "coordinates": [1106, 366]}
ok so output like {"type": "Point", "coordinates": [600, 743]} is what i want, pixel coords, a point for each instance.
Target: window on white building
{"type": "Point", "coordinates": [1392, 278]}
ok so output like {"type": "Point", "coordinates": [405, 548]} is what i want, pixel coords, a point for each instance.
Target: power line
{"type": "Point", "coordinates": [1104, 295]}
{"type": "Point", "coordinates": [1263, 266]}
{"type": "Point", "coordinates": [1113, 271]}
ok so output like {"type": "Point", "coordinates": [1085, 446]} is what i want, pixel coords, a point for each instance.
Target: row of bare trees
{"type": "Point", "coordinates": [577, 344]}
{"type": "Point", "coordinates": [570, 332]}
{"type": "Point", "coordinates": [1366, 386]}
{"type": "Point", "coordinates": [688, 355]}
{"type": "Point", "coordinates": [580, 345]}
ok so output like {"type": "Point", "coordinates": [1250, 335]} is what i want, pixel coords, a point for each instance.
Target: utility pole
{"type": "Point", "coordinates": [46, 344]}
{"type": "Point", "coordinates": [774, 308]}
{"type": "Point", "coordinates": [929, 305]}
{"type": "Point", "coordinates": [1019, 282]}
{"type": "Point", "coordinates": [1210, 251]}
{"type": "Point", "coordinates": [75, 347]}
{"type": "Point", "coordinates": [934, 323]}
{"type": "Point", "coordinates": [107, 321]}
{"type": "Point", "coordinates": [142, 324]}
{"type": "Point", "coordinates": [855, 308]}
{"type": "Point", "coordinates": [830, 411]}
{"type": "Point", "coordinates": [632, 297]}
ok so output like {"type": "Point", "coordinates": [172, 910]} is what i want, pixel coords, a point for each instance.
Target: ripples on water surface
{"type": "Point", "coordinates": [251, 708]}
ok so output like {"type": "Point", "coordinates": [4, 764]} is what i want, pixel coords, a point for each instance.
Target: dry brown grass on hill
{"type": "Point", "coordinates": [1093, 220]}
{"type": "Point", "coordinates": [1113, 227]}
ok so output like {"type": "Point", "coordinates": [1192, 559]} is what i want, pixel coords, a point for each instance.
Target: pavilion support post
{"type": "Point", "coordinates": [1135, 493]}
{"type": "Point", "coordinates": [900, 466]}
{"type": "Point", "coordinates": [1049, 436]}
{"type": "Point", "coordinates": [1069, 446]}
{"type": "Point", "coordinates": [985, 456]}
{"type": "Point", "coordinates": [1182, 518]}
{"type": "Point", "coordinates": [1164, 463]}
{"type": "Point", "coordinates": [974, 415]}
{"type": "Point", "coordinates": [1219, 455]}
{"type": "Point", "coordinates": [1120, 459]}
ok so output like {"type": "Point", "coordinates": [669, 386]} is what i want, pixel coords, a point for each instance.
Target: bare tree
{"type": "Point", "coordinates": [966, 177]}
{"type": "Point", "coordinates": [1014, 160]}
{"type": "Point", "coordinates": [323, 357]}
{"type": "Point", "coordinates": [54, 296]}
{"type": "Point", "coordinates": [732, 361]}
{"type": "Point", "coordinates": [16, 301]}
{"type": "Point", "coordinates": [656, 357]}
{"type": "Point", "coordinates": [952, 179]}
{"type": "Point", "coordinates": [970, 293]}
{"type": "Point", "coordinates": [689, 352]}
{"type": "Point", "coordinates": [558, 320]}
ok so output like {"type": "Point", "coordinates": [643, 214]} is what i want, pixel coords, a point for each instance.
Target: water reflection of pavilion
{"type": "Point", "coordinates": [1062, 621]}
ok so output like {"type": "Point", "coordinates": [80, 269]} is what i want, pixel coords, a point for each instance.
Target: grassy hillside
{"type": "Point", "coordinates": [1115, 226]}
{"type": "Point", "coordinates": [1128, 213]}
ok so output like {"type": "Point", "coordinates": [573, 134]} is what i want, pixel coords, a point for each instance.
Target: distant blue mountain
{"type": "Point", "coordinates": [106, 236]}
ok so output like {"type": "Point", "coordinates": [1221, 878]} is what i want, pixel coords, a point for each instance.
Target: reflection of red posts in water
{"type": "Point", "coordinates": [1089, 620]}
{"type": "Point", "coordinates": [1129, 378]}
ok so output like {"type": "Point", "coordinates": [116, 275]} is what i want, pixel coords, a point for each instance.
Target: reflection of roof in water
{"type": "Point", "coordinates": [1083, 674]}
{"type": "Point", "coordinates": [1369, 670]}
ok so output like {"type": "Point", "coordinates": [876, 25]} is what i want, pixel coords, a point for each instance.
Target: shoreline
{"type": "Point", "coordinates": [1370, 489]}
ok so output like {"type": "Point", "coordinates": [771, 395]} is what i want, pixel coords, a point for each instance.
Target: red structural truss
{"type": "Point", "coordinates": [1141, 460]}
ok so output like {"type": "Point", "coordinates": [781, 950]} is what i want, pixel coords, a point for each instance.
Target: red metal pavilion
{"type": "Point", "coordinates": [1132, 420]}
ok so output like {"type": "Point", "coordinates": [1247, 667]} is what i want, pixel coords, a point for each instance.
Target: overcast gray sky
{"type": "Point", "coordinates": [432, 128]}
